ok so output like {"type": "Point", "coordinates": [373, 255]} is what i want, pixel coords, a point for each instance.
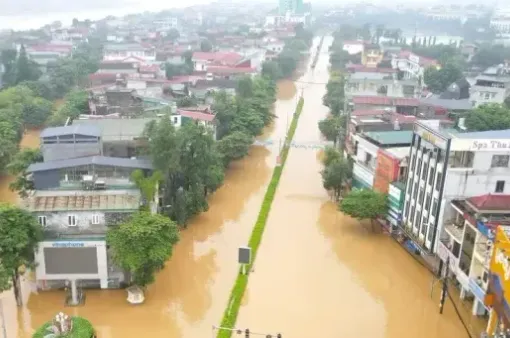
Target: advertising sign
{"type": "Point", "coordinates": [430, 137]}
{"type": "Point", "coordinates": [480, 145]}
{"type": "Point", "coordinates": [68, 245]}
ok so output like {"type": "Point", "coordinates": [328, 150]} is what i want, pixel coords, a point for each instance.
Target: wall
{"type": "Point", "coordinates": [353, 48]}
{"type": "Point", "coordinates": [102, 275]}
{"type": "Point", "coordinates": [61, 151]}
{"type": "Point", "coordinates": [386, 171]}
{"type": "Point", "coordinates": [362, 178]}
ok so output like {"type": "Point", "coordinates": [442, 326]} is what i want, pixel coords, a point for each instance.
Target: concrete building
{"type": "Point", "coordinates": [120, 51]}
{"type": "Point", "coordinates": [411, 64]}
{"type": "Point", "coordinates": [492, 86]}
{"type": "Point", "coordinates": [500, 23]}
{"type": "Point", "coordinates": [447, 165]}
{"type": "Point", "coordinates": [379, 82]}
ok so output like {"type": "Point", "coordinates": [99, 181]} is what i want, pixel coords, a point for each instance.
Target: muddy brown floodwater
{"type": "Point", "coordinates": [319, 273]}
{"type": "Point", "coordinates": [190, 294]}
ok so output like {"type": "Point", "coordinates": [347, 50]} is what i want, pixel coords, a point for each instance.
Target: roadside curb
{"type": "Point", "coordinates": [236, 295]}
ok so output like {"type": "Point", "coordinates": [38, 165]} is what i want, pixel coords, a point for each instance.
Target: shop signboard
{"type": "Point", "coordinates": [430, 137]}
{"type": "Point", "coordinates": [443, 253]}
{"type": "Point", "coordinates": [480, 145]}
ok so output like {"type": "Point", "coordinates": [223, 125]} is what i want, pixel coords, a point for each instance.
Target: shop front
{"type": "Point", "coordinates": [498, 293]}
{"type": "Point", "coordinates": [362, 178]}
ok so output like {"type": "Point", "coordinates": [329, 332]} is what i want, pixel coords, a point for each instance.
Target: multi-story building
{"type": "Point", "coordinates": [121, 51]}
{"type": "Point", "coordinates": [379, 82]}
{"type": "Point", "coordinates": [412, 65]}
{"type": "Point", "coordinates": [492, 86]}
{"type": "Point", "coordinates": [447, 165]}
{"type": "Point", "coordinates": [76, 199]}
{"type": "Point", "coordinates": [500, 23]}
{"type": "Point", "coordinates": [371, 55]}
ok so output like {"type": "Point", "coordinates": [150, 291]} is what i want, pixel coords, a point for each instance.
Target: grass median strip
{"type": "Point", "coordinates": [236, 295]}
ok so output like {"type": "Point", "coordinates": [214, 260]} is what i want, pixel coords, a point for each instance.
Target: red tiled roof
{"type": "Point", "coordinates": [220, 58]}
{"type": "Point", "coordinates": [423, 61]}
{"type": "Point", "coordinates": [51, 48]}
{"type": "Point", "coordinates": [374, 100]}
{"type": "Point", "coordinates": [196, 115]}
{"type": "Point", "coordinates": [368, 112]}
{"type": "Point", "coordinates": [96, 76]}
{"type": "Point", "coordinates": [149, 69]}
{"type": "Point", "coordinates": [230, 70]}
{"type": "Point", "coordinates": [490, 202]}
{"type": "Point", "coordinates": [386, 101]}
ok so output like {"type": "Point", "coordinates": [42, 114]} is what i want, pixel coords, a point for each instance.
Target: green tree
{"type": "Point", "coordinates": [234, 146]}
{"type": "Point", "coordinates": [154, 235]}
{"type": "Point", "coordinates": [364, 204]}
{"type": "Point", "coordinates": [336, 175]}
{"type": "Point", "coordinates": [271, 70]}
{"type": "Point", "coordinates": [490, 55]}
{"type": "Point", "coordinates": [26, 70]}
{"type": "Point", "coordinates": [76, 102]}
{"type": "Point", "coordinates": [488, 117]}
{"type": "Point", "coordinates": [148, 186]}
{"type": "Point", "coordinates": [18, 168]}
{"type": "Point", "coordinates": [8, 58]}
{"type": "Point", "coordinates": [331, 128]}
{"type": "Point", "coordinates": [187, 101]}
{"type": "Point", "coordinates": [176, 70]}
{"type": "Point", "coordinates": [438, 80]}
{"type": "Point", "coordinates": [173, 34]}
{"type": "Point", "coordinates": [19, 235]}
{"type": "Point", "coordinates": [244, 87]}
{"type": "Point", "coordinates": [247, 121]}
{"type": "Point", "coordinates": [507, 102]}
{"type": "Point", "coordinates": [206, 46]}
{"type": "Point", "coordinates": [331, 155]}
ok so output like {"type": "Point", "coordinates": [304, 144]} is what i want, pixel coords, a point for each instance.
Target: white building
{"type": "Point", "coordinates": [492, 86]}
{"type": "Point", "coordinates": [118, 52]}
{"type": "Point", "coordinates": [447, 165]}
{"type": "Point", "coordinates": [354, 47]}
{"type": "Point", "coordinates": [500, 20]}
{"type": "Point", "coordinates": [411, 64]}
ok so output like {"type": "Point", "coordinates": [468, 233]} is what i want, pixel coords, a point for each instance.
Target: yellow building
{"type": "Point", "coordinates": [371, 56]}
{"type": "Point", "coordinates": [498, 293]}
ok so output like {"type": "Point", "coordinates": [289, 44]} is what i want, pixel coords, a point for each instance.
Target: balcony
{"type": "Point", "coordinates": [109, 183]}
{"type": "Point", "coordinates": [455, 229]}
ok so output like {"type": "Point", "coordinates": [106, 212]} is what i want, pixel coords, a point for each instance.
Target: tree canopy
{"type": "Point", "coordinates": [331, 127]}
{"type": "Point", "coordinates": [19, 235]}
{"type": "Point", "coordinates": [364, 204]}
{"type": "Point", "coordinates": [336, 175]}
{"type": "Point", "coordinates": [438, 80]}
{"type": "Point", "coordinates": [154, 235]}
{"type": "Point", "coordinates": [18, 166]}
{"type": "Point", "coordinates": [488, 117]}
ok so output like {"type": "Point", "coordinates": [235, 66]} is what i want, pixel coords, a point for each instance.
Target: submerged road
{"type": "Point", "coordinates": [321, 274]}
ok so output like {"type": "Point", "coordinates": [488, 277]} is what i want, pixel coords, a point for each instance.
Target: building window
{"type": "Point", "coordinates": [431, 177]}
{"type": "Point", "coordinates": [424, 226]}
{"type": "Point", "coordinates": [411, 217]}
{"type": "Point", "coordinates": [430, 233]}
{"type": "Point", "coordinates": [95, 219]}
{"type": "Point", "coordinates": [42, 220]}
{"type": "Point", "coordinates": [413, 162]}
{"type": "Point", "coordinates": [500, 186]}
{"type": "Point", "coordinates": [438, 180]}
{"type": "Point", "coordinates": [427, 202]}
{"type": "Point", "coordinates": [176, 119]}
{"type": "Point", "coordinates": [418, 169]}
{"type": "Point", "coordinates": [71, 220]}
{"type": "Point", "coordinates": [434, 207]}
{"type": "Point", "coordinates": [406, 211]}
{"type": "Point", "coordinates": [500, 161]}
{"type": "Point", "coordinates": [424, 173]}
{"type": "Point", "coordinates": [418, 217]}
{"type": "Point", "coordinates": [410, 187]}
{"type": "Point", "coordinates": [420, 197]}
{"type": "Point", "coordinates": [415, 192]}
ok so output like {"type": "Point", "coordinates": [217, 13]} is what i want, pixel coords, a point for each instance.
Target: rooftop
{"type": "Point", "coordinates": [387, 138]}
{"type": "Point", "coordinates": [117, 129]}
{"type": "Point", "coordinates": [386, 101]}
{"type": "Point", "coordinates": [490, 202]}
{"type": "Point", "coordinates": [464, 104]}
{"type": "Point", "coordinates": [90, 160]}
{"type": "Point", "coordinates": [224, 58]}
{"type": "Point", "coordinates": [398, 152]}
{"type": "Point", "coordinates": [50, 201]}
{"type": "Point", "coordinates": [71, 130]}
{"type": "Point", "coordinates": [123, 47]}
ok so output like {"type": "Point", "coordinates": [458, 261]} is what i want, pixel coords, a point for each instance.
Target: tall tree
{"type": "Point", "coordinates": [18, 168]}
{"type": "Point", "coordinates": [438, 80]}
{"type": "Point", "coordinates": [234, 146]}
{"type": "Point", "coordinates": [271, 70]}
{"type": "Point", "coordinates": [244, 87]}
{"type": "Point", "coordinates": [206, 46]}
{"type": "Point", "coordinates": [488, 117]}
{"type": "Point", "coordinates": [154, 235]}
{"type": "Point", "coordinates": [26, 70]}
{"type": "Point", "coordinates": [335, 176]}
{"type": "Point", "coordinates": [330, 155]}
{"type": "Point", "coordinates": [9, 57]}
{"type": "Point", "coordinates": [331, 128]}
{"type": "Point", "coordinates": [19, 235]}
{"type": "Point", "coordinates": [364, 204]}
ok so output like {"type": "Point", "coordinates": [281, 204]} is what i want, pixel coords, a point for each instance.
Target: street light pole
{"type": "Point", "coordinates": [444, 291]}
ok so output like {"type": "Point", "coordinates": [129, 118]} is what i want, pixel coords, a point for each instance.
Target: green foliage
{"type": "Point", "coordinates": [18, 166]}
{"type": "Point", "coordinates": [82, 328]}
{"type": "Point", "coordinates": [364, 204]}
{"type": "Point", "coordinates": [331, 155]}
{"type": "Point", "coordinates": [271, 69]}
{"type": "Point", "coordinates": [438, 80]}
{"type": "Point", "coordinates": [147, 185]}
{"type": "Point", "coordinates": [237, 292]}
{"type": "Point", "coordinates": [488, 117]}
{"type": "Point", "coordinates": [234, 146]}
{"type": "Point", "coordinates": [75, 103]}
{"type": "Point", "coordinates": [206, 46]}
{"type": "Point", "coordinates": [26, 70]}
{"type": "Point", "coordinates": [331, 127]}
{"type": "Point", "coordinates": [154, 235]}
{"type": "Point", "coordinates": [335, 94]}
{"type": "Point", "coordinates": [187, 101]}
{"type": "Point", "coordinates": [176, 70]}
{"type": "Point", "coordinates": [19, 235]}
{"type": "Point", "coordinates": [336, 175]}
{"type": "Point", "coordinates": [490, 55]}
{"type": "Point", "coordinates": [244, 87]}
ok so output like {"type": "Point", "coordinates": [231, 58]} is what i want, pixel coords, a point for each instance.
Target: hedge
{"type": "Point", "coordinates": [81, 329]}
{"type": "Point", "coordinates": [236, 295]}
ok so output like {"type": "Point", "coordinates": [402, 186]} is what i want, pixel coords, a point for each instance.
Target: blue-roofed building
{"type": "Point", "coordinates": [448, 171]}
{"type": "Point", "coordinates": [59, 143]}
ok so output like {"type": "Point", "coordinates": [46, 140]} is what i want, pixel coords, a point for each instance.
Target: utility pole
{"type": "Point", "coordinates": [444, 291]}
{"type": "Point", "coordinates": [4, 329]}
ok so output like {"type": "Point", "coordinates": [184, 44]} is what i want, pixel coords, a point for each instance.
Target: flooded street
{"type": "Point", "coordinates": [317, 273]}
{"type": "Point", "coordinates": [190, 294]}
{"type": "Point", "coordinates": [321, 274]}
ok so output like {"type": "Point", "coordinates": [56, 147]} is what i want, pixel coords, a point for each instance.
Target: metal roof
{"type": "Point", "coordinates": [391, 137]}
{"type": "Point", "coordinates": [464, 104]}
{"type": "Point", "coordinates": [96, 160]}
{"type": "Point", "coordinates": [88, 130]}
{"type": "Point", "coordinates": [489, 134]}
{"type": "Point", "coordinates": [117, 129]}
